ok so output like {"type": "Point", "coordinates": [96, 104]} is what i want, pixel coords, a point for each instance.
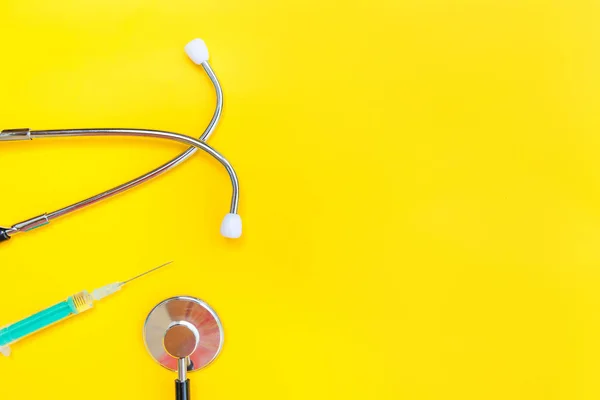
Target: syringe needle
{"type": "Point", "coordinates": [111, 288]}
{"type": "Point", "coordinates": [145, 273]}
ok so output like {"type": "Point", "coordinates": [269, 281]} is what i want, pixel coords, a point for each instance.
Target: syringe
{"type": "Point", "coordinates": [73, 305]}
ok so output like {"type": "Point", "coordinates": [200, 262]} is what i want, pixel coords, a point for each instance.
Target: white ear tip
{"type": "Point", "coordinates": [232, 226]}
{"type": "Point", "coordinates": [197, 51]}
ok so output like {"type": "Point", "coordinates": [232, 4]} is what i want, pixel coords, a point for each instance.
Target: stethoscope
{"type": "Point", "coordinates": [231, 226]}
{"type": "Point", "coordinates": [183, 334]}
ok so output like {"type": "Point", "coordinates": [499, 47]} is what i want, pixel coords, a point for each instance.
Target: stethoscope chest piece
{"type": "Point", "coordinates": [183, 334]}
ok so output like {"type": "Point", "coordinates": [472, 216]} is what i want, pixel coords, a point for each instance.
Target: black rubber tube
{"type": "Point", "coordinates": [4, 234]}
{"type": "Point", "coordinates": [182, 390]}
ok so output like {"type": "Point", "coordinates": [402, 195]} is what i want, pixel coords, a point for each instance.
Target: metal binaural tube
{"type": "Point", "coordinates": [219, 107]}
{"type": "Point", "coordinates": [152, 134]}
{"type": "Point", "coordinates": [231, 227]}
{"type": "Point", "coordinates": [155, 172]}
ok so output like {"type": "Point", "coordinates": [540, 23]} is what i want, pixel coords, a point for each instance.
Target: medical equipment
{"type": "Point", "coordinates": [73, 305]}
{"type": "Point", "coordinates": [183, 334]}
{"type": "Point", "coordinates": [231, 226]}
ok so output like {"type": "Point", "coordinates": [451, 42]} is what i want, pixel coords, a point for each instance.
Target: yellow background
{"type": "Point", "coordinates": [420, 194]}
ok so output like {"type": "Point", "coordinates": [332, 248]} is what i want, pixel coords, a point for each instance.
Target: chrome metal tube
{"type": "Point", "coordinates": [15, 134]}
{"type": "Point", "coordinates": [182, 364]}
{"type": "Point", "coordinates": [151, 134]}
{"type": "Point", "coordinates": [158, 171]}
{"type": "Point", "coordinates": [31, 224]}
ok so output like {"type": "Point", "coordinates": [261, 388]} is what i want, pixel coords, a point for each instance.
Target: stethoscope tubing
{"type": "Point", "coordinates": [26, 134]}
{"type": "Point", "coordinates": [96, 132]}
{"type": "Point", "coordinates": [163, 168]}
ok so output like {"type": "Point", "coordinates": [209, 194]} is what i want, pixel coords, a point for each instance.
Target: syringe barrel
{"type": "Point", "coordinates": [75, 304]}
